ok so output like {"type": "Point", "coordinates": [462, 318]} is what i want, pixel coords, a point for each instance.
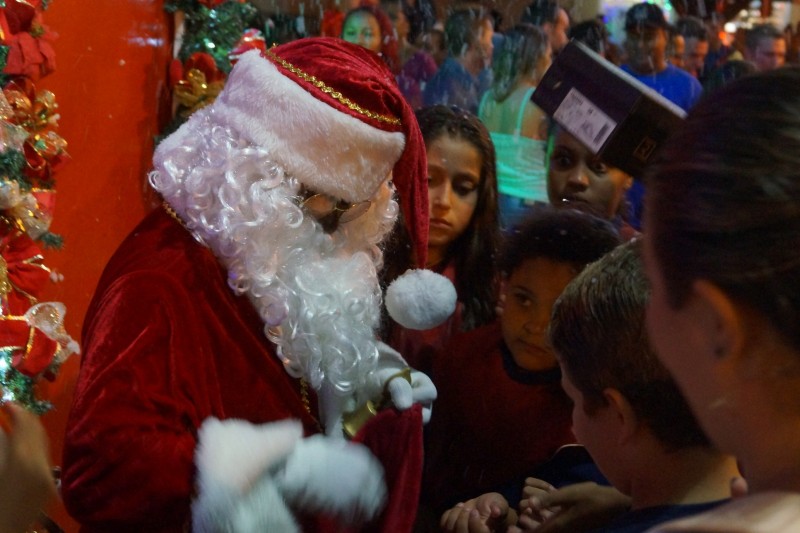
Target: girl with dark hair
{"type": "Point", "coordinates": [463, 235]}
{"type": "Point", "coordinates": [722, 252]}
{"type": "Point", "coordinates": [518, 128]}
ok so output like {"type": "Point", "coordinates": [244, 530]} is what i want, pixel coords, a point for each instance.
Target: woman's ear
{"type": "Point", "coordinates": [723, 319]}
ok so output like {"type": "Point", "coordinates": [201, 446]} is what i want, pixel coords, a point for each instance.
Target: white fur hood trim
{"type": "Point", "coordinates": [324, 148]}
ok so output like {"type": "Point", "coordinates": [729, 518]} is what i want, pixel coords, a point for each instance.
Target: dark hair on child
{"type": "Point", "coordinates": [723, 199]}
{"type": "Point", "coordinates": [597, 329]}
{"type": "Point", "coordinates": [559, 234]}
{"type": "Point", "coordinates": [474, 251]}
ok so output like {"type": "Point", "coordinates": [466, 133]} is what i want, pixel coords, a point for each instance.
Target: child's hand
{"type": "Point", "coordinates": [536, 488]}
{"type": "Point", "coordinates": [576, 508]}
{"type": "Point", "coordinates": [26, 481]}
{"type": "Point", "coordinates": [485, 514]}
{"type": "Point", "coordinates": [739, 487]}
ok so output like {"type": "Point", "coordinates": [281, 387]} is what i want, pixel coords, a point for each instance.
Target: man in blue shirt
{"type": "Point", "coordinates": [646, 37]}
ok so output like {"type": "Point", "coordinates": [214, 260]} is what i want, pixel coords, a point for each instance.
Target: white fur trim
{"type": "Point", "coordinates": [420, 299]}
{"type": "Point", "coordinates": [233, 453]}
{"type": "Point", "coordinates": [326, 149]}
{"type": "Point", "coordinates": [263, 509]}
{"type": "Point", "coordinates": [333, 476]}
{"type": "Point", "coordinates": [248, 475]}
{"type": "Point", "coordinates": [236, 492]}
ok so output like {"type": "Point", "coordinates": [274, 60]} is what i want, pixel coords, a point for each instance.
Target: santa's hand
{"type": "Point", "coordinates": [421, 390]}
{"type": "Point", "coordinates": [401, 384]}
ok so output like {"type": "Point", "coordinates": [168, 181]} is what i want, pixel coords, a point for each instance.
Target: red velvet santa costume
{"type": "Point", "coordinates": [184, 412]}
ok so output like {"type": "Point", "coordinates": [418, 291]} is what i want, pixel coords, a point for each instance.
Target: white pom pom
{"type": "Point", "coordinates": [420, 299]}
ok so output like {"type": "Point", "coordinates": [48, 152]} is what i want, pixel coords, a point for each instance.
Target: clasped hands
{"type": "Point", "coordinates": [544, 509]}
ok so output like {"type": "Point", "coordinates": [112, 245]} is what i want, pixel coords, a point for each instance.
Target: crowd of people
{"type": "Point", "coordinates": [622, 354]}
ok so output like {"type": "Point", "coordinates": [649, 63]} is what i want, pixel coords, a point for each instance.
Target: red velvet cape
{"type": "Point", "coordinates": [166, 345]}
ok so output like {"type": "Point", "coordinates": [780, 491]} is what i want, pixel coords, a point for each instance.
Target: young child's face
{"type": "Point", "coordinates": [531, 290]}
{"type": "Point", "coordinates": [577, 176]}
{"type": "Point", "coordinates": [454, 175]}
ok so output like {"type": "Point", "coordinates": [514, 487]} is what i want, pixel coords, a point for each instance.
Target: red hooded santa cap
{"type": "Point", "coordinates": [331, 114]}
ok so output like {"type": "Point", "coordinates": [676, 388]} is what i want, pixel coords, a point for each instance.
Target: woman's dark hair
{"type": "Point", "coordinates": [520, 51]}
{"type": "Point", "coordinates": [473, 253]}
{"type": "Point", "coordinates": [723, 199]}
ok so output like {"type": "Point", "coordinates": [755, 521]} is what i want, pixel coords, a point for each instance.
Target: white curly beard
{"type": "Point", "coordinates": [318, 294]}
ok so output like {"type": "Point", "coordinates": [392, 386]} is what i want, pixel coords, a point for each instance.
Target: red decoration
{"type": "Point", "coordinates": [45, 150]}
{"type": "Point", "coordinates": [201, 61]}
{"type": "Point", "coordinates": [31, 52]}
{"type": "Point", "coordinates": [25, 275]}
{"type": "Point", "coordinates": [211, 4]}
{"type": "Point", "coordinates": [33, 350]}
{"type": "Point", "coordinates": [251, 40]}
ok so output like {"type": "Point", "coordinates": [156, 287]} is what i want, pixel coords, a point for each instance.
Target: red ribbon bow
{"type": "Point", "coordinates": [32, 350]}
{"type": "Point", "coordinates": [45, 150]}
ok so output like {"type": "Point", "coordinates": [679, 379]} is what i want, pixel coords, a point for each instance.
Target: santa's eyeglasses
{"type": "Point", "coordinates": [331, 211]}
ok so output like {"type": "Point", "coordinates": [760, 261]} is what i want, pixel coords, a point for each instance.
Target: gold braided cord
{"type": "Point", "coordinates": [334, 93]}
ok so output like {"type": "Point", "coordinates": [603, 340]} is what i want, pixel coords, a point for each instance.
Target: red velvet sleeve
{"type": "Point", "coordinates": [128, 458]}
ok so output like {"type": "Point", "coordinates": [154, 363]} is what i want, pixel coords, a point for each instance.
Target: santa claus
{"type": "Point", "coordinates": [232, 338]}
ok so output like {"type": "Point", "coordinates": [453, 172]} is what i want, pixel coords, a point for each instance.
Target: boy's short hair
{"type": "Point", "coordinates": [597, 330]}
{"type": "Point", "coordinates": [559, 234]}
{"type": "Point", "coordinates": [757, 33]}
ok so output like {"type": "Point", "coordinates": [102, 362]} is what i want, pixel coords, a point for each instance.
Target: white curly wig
{"type": "Point", "coordinates": [318, 293]}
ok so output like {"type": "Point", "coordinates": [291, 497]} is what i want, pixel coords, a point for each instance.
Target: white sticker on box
{"type": "Point", "coordinates": [584, 120]}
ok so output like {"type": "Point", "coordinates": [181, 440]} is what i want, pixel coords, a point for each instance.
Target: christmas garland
{"type": "Point", "coordinates": [33, 342]}
{"type": "Point", "coordinates": [212, 33]}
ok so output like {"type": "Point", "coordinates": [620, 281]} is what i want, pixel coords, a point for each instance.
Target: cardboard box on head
{"type": "Point", "coordinates": [617, 117]}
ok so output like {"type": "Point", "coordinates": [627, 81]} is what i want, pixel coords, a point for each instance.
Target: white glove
{"type": "Point", "coordinates": [403, 394]}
